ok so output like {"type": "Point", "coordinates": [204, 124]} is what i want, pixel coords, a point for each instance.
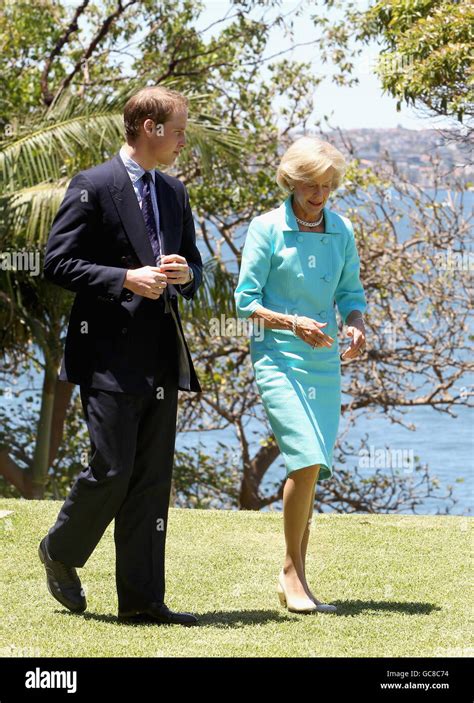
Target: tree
{"type": "Point", "coordinates": [241, 89]}
{"type": "Point", "coordinates": [71, 121]}
{"type": "Point", "coordinates": [424, 53]}
{"type": "Point", "coordinates": [426, 56]}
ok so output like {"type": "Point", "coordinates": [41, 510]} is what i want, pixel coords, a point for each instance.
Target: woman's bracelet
{"type": "Point", "coordinates": [294, 322]}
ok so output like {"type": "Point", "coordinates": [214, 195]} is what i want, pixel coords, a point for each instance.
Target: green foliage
{"type": "Point", "coordinates": [63, 92]}
{"type": "Point", "coordinates": [427, 52]}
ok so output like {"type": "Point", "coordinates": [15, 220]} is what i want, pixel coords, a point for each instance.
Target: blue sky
{"type": "Point", "coordinates": [361, 106]}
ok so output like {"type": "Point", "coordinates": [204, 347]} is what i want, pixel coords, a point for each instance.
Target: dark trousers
{"type": "Point", "coordinates": [128, 478]}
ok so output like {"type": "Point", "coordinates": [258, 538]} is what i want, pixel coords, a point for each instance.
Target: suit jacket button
{"type": "Point", "coordinates": [324, 240]}
{"type": "Point", "coordinates": [327, 278]}
{"type": "Point", "coordinates": [129, 295]}
{"type": "Point", "coordinates": [322, 314]}
{"type": "Point", "coordinates": [124, 330]}
{"type": "Point", "coordinates": [299, 238]}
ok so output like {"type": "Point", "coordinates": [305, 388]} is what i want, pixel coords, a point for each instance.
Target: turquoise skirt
{"type": "Point", "coordinates": [300, 388]}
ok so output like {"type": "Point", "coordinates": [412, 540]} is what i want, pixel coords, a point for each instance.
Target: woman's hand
{"type": "Point", "coordinates": [356, 330]}
{"type": "Point", "coordinates": [310, 331]}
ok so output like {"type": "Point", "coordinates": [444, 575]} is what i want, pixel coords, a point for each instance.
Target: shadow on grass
{"type": "Point", "coordinates": [242, 618]}
{"type": "Point", "coordinates": [354, 607]}
{"type": "Point", "coordinates": [216, 618]}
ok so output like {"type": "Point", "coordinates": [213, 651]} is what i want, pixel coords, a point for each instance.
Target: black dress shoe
{"type": "Point", "coordinates": [62, 581]}
{"type": "Point", "coordinates": [159, 614]}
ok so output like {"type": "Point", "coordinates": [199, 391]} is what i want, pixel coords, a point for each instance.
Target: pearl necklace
{"type": "Point", "coordinates": [310, 224]}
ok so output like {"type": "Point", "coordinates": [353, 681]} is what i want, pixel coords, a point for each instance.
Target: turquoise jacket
{"type": "Point", "coordinates": [300, 272]}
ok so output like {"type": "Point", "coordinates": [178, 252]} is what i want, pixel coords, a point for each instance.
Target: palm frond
{"type": "Point", "coordinates": [44, 148]}
{"type": "Point", "coordinates": [216, 294]}
{"type": "Point", "coordinates": [30, 212]}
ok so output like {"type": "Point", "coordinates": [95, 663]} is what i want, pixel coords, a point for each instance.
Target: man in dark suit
{"type": "Point", "coordinates": [124, 241]}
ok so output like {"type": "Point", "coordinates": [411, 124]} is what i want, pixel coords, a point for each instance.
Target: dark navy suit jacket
{"type": "Point", "coordinates": [114, 336]}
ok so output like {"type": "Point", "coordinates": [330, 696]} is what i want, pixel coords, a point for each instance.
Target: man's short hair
{"type": "Point", "coordinates": [156, 103]}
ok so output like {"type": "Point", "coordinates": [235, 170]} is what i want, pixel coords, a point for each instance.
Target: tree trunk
{"type": "Point", "coordinates": [41, 458]}
{"type": "Point", "coordinates": [254, 471]}
{"type": "Point", "coordinates": [62, 398]}
{"type": "Point", "coordinates": [14, 474]}
{"type": "Point", "coordinates": [22, 479]}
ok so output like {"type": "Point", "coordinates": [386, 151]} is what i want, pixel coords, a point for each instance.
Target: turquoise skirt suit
{"type": "Point", "coordinates": [307, 273]}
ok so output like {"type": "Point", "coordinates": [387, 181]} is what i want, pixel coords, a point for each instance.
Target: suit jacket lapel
{"type": "Point", "coordinates": [131, 216]}
{"type": "Point", "coordinates": [129, 211]}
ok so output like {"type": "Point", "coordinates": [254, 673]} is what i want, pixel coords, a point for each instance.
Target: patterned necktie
{"type": "Point", "coordinates": [149, 216]}
{"type": "Point", "coordinates": [152, 231]}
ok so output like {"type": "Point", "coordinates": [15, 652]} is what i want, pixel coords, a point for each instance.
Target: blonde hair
{"type": "Point", "coordinates": [154, 102]}
{"type": "Point", "coordinates": [309, 158]}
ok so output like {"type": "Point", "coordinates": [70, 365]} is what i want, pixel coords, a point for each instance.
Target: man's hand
{"type": "Point", "coordinates": [147, 281]}
{"type": "Point", "coordinates": [176, 269]}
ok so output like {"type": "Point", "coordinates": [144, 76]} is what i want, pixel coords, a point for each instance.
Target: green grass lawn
{"type": "Point", "coordinates": [401, 584]}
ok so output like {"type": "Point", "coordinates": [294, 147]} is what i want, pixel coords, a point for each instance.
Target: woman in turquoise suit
{"type": "Point", "coordinates": [299, 261]}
